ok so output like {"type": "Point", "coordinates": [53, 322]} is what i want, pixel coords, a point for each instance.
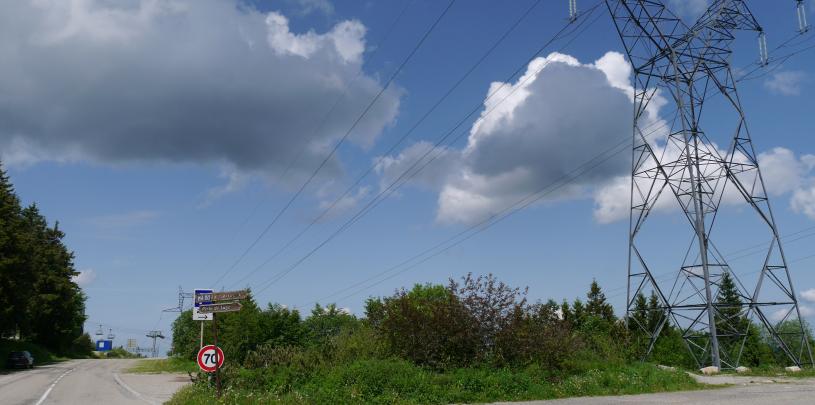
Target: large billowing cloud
{"type": "Point", "coordinates": [531, 133]}
{"type": "Point", "coordinates": [200, 81]}
{"type": "Point", "coordinates": [559, 115]}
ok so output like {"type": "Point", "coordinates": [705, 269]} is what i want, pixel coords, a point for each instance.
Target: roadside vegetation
{"type": "Point", "coordinates": [169, 365]}
{"type": "Point", "coordinates": [42, 309]}
{"type": "Point", "coordinates": [472, 340]}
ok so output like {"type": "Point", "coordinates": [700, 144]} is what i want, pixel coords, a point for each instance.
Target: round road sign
{"type": "Point", "coordinates": [208, 356]}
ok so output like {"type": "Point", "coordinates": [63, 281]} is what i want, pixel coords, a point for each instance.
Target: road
{"type": "Point", "coordinates": [87, 382]}
{"type": "Point", "coordinates": [744, 391]}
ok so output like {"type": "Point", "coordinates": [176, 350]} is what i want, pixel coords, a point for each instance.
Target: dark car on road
{"type": "Point", "coordinates": [21, 359]}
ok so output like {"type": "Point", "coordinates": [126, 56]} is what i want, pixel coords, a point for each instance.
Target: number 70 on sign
{"type": "Point", "coordinates": [210, 358]}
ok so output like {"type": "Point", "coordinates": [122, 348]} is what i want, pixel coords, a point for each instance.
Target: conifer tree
{"type": "Point", "coordinates": [597, 305]}
{"type": "Point", "coordinates": [9, 258]}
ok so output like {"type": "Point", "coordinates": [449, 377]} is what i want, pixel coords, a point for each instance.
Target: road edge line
{"type": "Point", "coordinates": [134, 392]}
{"type": "Point", "coordinates": [51, 387]}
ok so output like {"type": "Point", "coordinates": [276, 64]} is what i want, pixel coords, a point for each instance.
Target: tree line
{"type": "Point", "coordinates": [475, 323]}
{"type": "Point", "coordinates": [39, 301]}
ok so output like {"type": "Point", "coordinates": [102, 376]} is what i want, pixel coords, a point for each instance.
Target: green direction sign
{"type": "Point", "coordinates": [228, 307]}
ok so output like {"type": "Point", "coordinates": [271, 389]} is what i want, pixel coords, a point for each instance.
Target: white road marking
{"type": "Point", "coordinates": [51, 387]}
{"type": "Point", "coordinates": [134, 392]}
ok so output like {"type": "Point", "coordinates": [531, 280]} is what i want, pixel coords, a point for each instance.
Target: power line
{"type": "Point", "coordinates": [405, 136]}
{"type": "Point", "coordinates": [396, 183]}
{"type": "Point", "coordinates": [340, 142]}
{"type": "Point", "coordinates": [471, 228]}
{"type": "Point", "coordinates": [324, 119]}
{"type": "Point", "coordinates": [483, 225]}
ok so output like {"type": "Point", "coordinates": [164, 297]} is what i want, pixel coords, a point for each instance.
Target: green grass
{"type": "Point", "coordinates": [169, 365]}
{"type": "Point", "coordinates": [397, 381]}
{"type": "Point", "coordinates": [806, 372]}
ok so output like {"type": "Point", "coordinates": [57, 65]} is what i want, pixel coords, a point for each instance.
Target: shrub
{"type": "Point", "coordinates": [428, 326]}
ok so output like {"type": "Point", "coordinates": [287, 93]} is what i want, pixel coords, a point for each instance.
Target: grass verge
{"type": "Point", "coordinates": [397, 381]}
{"type": "Point", "coordinates": [807, 372]}
{"type": "Point", "coordinates": [168, 365]}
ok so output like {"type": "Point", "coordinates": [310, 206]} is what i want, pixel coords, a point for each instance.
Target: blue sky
{"type": "Point", "coordinates": [160, 142]}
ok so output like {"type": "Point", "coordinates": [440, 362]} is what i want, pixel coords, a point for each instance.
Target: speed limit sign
{"type": "Point", "coordinates": [209, 356]}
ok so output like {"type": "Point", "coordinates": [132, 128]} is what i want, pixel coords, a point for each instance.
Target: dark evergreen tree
{"type": "Point", "coordinates": [39, 300]}
{"type": "Point", "coordinates": [11, 290]}
{"type": "Point", "coordinates": [656, 314]}
{"type": "Point", "coordinates": [638, 322]}
{"type": "Point", "coordinates": [596, 304]}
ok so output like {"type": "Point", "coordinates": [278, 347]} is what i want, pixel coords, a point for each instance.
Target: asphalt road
{"type": "Point", "coordinates": [744, 391]}
{"type": "Point", "coordinates": [87, 382]}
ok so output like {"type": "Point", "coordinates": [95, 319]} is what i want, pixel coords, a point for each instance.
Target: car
{"type": "Point", "coordinates": [20, 359]}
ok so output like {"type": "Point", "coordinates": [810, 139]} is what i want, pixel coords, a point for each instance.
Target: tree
{"type": "Point", "coordinates": [596, 304]}
{"type": "Point", "coordinates": [282, 327]}
{"type": "Point", "coordinates": [638, 320]}
{"type": "Point", "coordinates": [326, 322]}
{"type": "Point", "coordinates": [656, 314]}
{"type": "Point", "coordinates": [11, 290]}
{"type": "Point", "coordinates": [39, 301]}
{"type": "Point", "coordinates": [578, 313]}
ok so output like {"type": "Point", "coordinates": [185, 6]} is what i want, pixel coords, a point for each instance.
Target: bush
{"type": "Point", "coordinates": [428, 326]}
{"type": "Point", "coordinates": [82, 346]}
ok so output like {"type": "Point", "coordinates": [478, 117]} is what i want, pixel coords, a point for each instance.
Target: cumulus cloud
{"type": "Point", "coordinates": [783, 173]}
{"type": "Point", "coordinates": [530, 133]}
{"type": "Point", "coordinates": [208, 82]}
{"type": "Point", "coordinates": [85, 277]}
{"type": "Point", "coordinates": [808, 295]}
{"type": "Point", "coordinates": [538, 130]}
{"type": "Point", "coordinates": [786, 83]}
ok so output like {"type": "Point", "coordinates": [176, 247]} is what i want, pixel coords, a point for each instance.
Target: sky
{"type": "Point", "coordinates": [165, 136]}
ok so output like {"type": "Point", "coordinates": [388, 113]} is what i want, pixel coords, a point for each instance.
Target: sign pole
{"type": "Point", "coordinates": [215, 342]}
{"type": "Point", "coordinates": [201, 341]}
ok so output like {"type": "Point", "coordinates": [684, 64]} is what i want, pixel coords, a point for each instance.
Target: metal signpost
{"type": "Point", "coordinates": [198, 316]}
{"type": "Point", "coordinates": [210, 303]}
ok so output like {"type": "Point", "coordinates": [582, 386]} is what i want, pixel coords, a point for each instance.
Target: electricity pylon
{"type": "Point", "coordinates": [686, 169]}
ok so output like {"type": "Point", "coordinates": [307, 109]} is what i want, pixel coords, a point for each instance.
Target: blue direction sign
{"type": "Point", "coordinates": [196, 315]}
{"type": "Point", "coordinates": [201, 292]}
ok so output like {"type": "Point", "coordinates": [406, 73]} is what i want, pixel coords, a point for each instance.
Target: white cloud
{"type": "Point", "coordinates": [808, 295]}
{"type": "Point", "coordinates": [534, 132]}
{"type": "Point", "coordinates": [530, 133]}
{"type": "Point", "coordinates": [210, 82]}
{"type": "Point", "coordinates": [85, 277]}
{"type": "Point", "coordinates": [344, 204]}
{"type": "Point", "coordinates": [235, 180]}
{"type": "Point", "coordinates": [778, 315]}
{"type": "Point", "coordinates": [689, 10]}
{"type": "Point", "coordinates": [803, 201]}
{"type": "Point", "coordinates": [786, 83]}
{"type": "Point", "coordinates": [782, 171]}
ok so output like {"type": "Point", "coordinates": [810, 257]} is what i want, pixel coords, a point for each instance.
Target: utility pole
{"type": "Point", "coordinates": [155, 334]}
{"type": "Point", "coordinates": [684, 168]}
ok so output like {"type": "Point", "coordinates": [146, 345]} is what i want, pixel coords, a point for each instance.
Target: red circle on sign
{"type": "Point", "coordinates": [206, 361]}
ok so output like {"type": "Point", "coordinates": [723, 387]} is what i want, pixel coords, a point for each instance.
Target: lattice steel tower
{"type": "Point", "coordinates": [711, 175]}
